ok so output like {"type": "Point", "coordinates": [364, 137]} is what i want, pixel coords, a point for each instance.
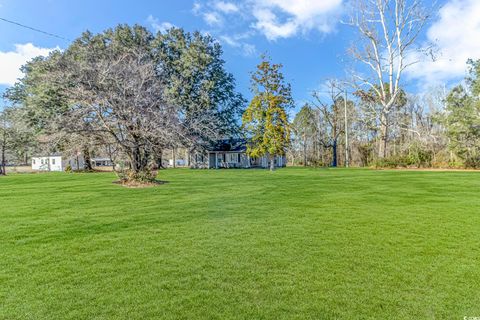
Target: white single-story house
{"type": "Point", "coordinates": [48, 163]}
{"type": "Point", "coordinates": [231, 153]}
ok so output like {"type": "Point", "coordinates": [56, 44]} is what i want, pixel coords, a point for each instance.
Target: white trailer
{"type": "Point", "coordinates": [47, 163]}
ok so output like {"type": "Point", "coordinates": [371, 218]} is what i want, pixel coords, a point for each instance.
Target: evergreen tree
{"type": "Point", "coordinates": [462, 118]}
{"type": "Point", "coordinates": [266, 119]}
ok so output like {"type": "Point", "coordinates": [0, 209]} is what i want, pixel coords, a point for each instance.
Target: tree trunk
{"type": "Point", "coordinates": [382, 150]}
{"type": "Point", "coordinates": [87, 160]}
{"type": "Point", "coordinates": [304, 150]}
{"type": "Point", "coordinates": [141, 168]}
{"type": "Point", "coordinates": [173, 157]}
{"type": "Point", "coordinates": [272, 162]}
{"type": "Point", "coordinates": [159, 160]}
{"type": "Point", "coordinates": [3, 170]}
{"type": "Point", "coordinates": [187, 158]}
{"type": "Point", "coordinates": [111, 156]}
{"type": "Point", "coordinates": [334, 154]}
{"type": "Point", "coordinates": [139, 159]}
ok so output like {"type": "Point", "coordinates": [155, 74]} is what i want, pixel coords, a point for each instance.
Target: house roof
{"type": "Point", "coordinates": [47, 155]}
{"type": "Point", "coordinates": [232, 145]}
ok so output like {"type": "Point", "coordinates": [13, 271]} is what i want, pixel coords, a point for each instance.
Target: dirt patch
{"type": "Point", "coordinates": [137, 184]}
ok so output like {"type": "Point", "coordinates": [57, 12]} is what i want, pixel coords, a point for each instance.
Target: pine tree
{"type": "Point", "coordinates": [462, 118]}
{"type": "Point", "coordinates": [265, 120]}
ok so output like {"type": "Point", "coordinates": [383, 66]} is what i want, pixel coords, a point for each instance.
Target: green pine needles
{"type": "Point", "coordinates": [266, 120]}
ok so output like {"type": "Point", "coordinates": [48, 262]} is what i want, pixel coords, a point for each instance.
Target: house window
{"type": "Point", "coordinates": [33, 161]}
{"type": "Point", "coordinates": [41, 161]}
{"type": "Point", "coordinates": [231, 157]}
{"type": "Point", "coordinates": [53, 161]}
{"type": "Point", "coordinates": [239, 158]}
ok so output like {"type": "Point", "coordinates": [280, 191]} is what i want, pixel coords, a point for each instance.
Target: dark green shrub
{"type": "Point", "coordinates": [366, 153]}
{"type": "Point", "coordinates": [391, 162]}
{"type": "Point", "coordinates": [472, 162]}
{"type": "Point", "coordinates": [145, 176]}
{"type": "Point", "coordinates": [419, 157]}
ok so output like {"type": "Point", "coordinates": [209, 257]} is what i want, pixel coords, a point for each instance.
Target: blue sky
{"type": "Point", "coordinates": [305, 35]}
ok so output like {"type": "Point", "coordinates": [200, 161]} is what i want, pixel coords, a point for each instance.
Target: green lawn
{"type": "Point", "coordinates": [241, 244]}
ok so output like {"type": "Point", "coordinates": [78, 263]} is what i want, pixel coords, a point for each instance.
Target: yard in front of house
{"type": "Point", "coordinates": [241, 244]}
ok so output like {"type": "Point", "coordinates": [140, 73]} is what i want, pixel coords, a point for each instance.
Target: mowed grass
{"type": "Point", "coordinates": [241, 244]}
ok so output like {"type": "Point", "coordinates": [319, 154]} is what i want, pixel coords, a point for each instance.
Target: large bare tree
{"type": "Point", "coordinates": [120, 97]}
{"type": "Point", "coordinates": [133, 90]}
{"type": "Point", "coordinates": [331, 113]}
{"type": "Point", "coordinates": [388, 30]}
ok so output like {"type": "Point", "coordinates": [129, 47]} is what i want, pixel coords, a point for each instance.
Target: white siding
{"type": "Point", "coordinates": [53, 163]}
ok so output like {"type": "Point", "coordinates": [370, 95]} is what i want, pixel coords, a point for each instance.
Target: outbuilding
{"type": "Point", "coordinates": [47, 163]}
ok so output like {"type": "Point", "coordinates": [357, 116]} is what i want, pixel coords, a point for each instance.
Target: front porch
{"type": "Point", "coordinates": [226, 159]}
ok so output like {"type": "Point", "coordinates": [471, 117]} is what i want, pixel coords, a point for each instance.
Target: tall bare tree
{"type": "Point", "coordinates": [388, 30]}
{"type": "Point", "coordinates": [4, 132]}
{"type": "Point", "coordinates": [333, 114]}
{"type": "Point", "coordinates": [121, 96]}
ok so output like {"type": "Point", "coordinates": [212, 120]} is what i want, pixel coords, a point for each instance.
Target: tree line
{"type": "Point", "coordinates": [133, 95]}
{"type": "Point", "coordinates": [436, 128]}
{"type": "Point", "coordinates": [380, 123]}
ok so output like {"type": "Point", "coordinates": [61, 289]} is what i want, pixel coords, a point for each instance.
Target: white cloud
{"type": "Point", "coordinates": [228, 40]}
{"type": "Point", "coordinates": [157, 26]}
{"type": "Point", "coordinates": [268, 24]}
{"type": "Point", "coordinates": [226, 7]}
{"type": "Point", "coordinates": [11, 61]}
{"type": "Point", "coordinates": [249, 49]}
{"type": "Point", "coordinates": [286, 18]}
{"type": "Point", "coordinates": [197, 7]}
{"type": "Point", "coordinates": [211, 14]}
{"type": "Point", "coordinates": [456, 34]}
{"type": "Point", "coordinates": [272, 18]}
{"type": "Point", "coordinates": [246, 49]}
{"type": "Point", "coordinates": [212, 18]}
